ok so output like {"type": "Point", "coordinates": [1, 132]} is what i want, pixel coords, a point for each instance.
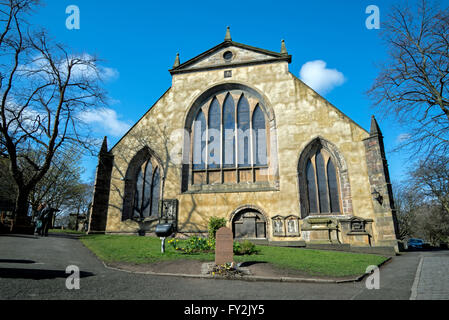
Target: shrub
{"type": "Point", "coordinates": [215, 224]}
{"type": "Point", "coordinates": [196, 244]}
{"type": "Point", "coordinates": [191, 245]}
{"type": "Point", "coordinates": [245, 248]}
{"type": "Point", "coordinates": [236, 247]}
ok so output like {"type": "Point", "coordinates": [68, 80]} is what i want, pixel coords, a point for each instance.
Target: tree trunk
{"type": "Point", "coordinates": [21, 209]}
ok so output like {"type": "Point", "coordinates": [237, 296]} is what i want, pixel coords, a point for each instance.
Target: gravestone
{"type": "Point", "coordinates": [224, 246]}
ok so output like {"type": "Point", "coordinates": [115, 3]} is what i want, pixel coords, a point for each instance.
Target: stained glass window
{"type": "Point", "coordinates": [333, 187]}
{"type": "Point", "coordinates": [311, 186]}
{"type": "Point", "coordinates": [230, 143]}
{"type": "Point", "coordinates": [147, 189]}
{"type": "Point", "coordinates": [229, 132]}
{"type": "Point", "coordinates": [243, 127]}
{"type": "Point", "coordinates": [321, 181]}
{"type": "Point", "coordinates": [199, 145]}
{"type": "Point", "coordinates": [322, 184]}
{"type": "Point", "coordinates": [155, 191]}
{"type": "Point", "coordinates": [214, 134]}
{"type": "Point", "coordinates": [259, 138]}
{"type": "Point", "coordinates": [146, 208]}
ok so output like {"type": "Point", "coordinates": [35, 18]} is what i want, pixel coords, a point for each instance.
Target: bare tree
{"type": "Point", "coordinates": [422, 201]}
{"type": "Point", "coordinates": [406, 201]}
{"type": "Point", "coordinates": [413, 83]}
{"type": "Point", "coordinates": [431, 223]}
{"type": "Point", "coordinates": [44, 91]}
{"type": "Point", "coordinates": [79, 201]}
{"type": "Point", "coordinates": [431, 178]}
{"type": "Point", "coordinates": [60, 183]}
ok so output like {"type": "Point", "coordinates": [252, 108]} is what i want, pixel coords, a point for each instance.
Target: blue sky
{"type": "Point", "coordinates": [138, 42]}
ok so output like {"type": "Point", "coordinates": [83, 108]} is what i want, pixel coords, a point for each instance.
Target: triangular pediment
{"type": "Point", "coordinates": [229, 54]}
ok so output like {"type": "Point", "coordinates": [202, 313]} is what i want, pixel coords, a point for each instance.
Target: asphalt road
{"type": "Point", "coordinates": [35, 268]}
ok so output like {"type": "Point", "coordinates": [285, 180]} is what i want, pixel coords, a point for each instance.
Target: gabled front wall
{"type": "Point", "coordinates": [300, 115]}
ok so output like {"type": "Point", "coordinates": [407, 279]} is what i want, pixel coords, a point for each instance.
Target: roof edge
{"type": "Point", "coordinates": [135, 124]}
{"type": "Point", "coordinates": [228, 43]}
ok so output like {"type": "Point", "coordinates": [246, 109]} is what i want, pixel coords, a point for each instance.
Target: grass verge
{"type": "Point", "coordinates": [134, 249]}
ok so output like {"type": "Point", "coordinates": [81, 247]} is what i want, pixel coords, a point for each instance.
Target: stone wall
{"type": "Point", "coordinates": [100, 202]}
{"type": "Point", "coordinates": [385, 223]}
{"type": "Point", "coordinates": [300, 114]}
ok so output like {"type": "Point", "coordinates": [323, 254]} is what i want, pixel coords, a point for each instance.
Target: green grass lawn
{"type": "Point", "coordinates": [114, 248]}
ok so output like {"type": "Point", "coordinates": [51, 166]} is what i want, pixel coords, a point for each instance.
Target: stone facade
{"type": "Point", "coordinates": [384, 211]}
{"type": "Point", "coordinates": [100, 203]}
{"type": "Point", "coordinates": [298, 120]}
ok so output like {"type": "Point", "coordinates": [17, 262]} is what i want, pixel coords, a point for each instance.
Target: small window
{"type": "Point", "coordinates": [228, 55]}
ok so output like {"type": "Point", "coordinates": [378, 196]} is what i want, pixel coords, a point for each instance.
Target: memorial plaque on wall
{"type": "Point", "coordinates": [169, 211]}
{"type": "Point", "coordinates": [357, 225]}
{"type": "Point", "coordinates": [292, 227]}
{"type": "Point", "coordinates": [278, 226]}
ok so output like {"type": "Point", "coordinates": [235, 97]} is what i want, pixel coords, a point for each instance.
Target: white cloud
{"type": "Point", "coordinates": [90, 69]}
{"type": "Point", "coordinates": [319, 78]}
{"type": "Point", "coordinates": [28, 118]}
{"type": "Point", "coordinates": [107, 120]}
{"type": "Point", "coordinates": [85, 67]}
{"type": "Point", "coordinates": [403, 137]}
{"type": "Point", "coordinates": [108, 73]}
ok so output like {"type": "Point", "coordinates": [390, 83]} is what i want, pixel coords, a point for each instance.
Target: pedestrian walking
{"type": "Point", "coordinates": [39, 219]}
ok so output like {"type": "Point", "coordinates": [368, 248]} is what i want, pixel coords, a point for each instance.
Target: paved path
{"type": "Point", "coordinates": [34, 268]}
{"type": "Point", "coordinates": [432, 278]}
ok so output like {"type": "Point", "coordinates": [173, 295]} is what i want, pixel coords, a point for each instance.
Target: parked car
{"type": "Point", "coordinates": [427, 245]}
{"type": "Point", "coordinates": [415, 243]}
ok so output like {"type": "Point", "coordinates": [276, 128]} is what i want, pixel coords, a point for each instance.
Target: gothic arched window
{"type": "Point", "coordinates": [229, 140]}
{"type": "Point", "coordinates": [147, 190]}
{"type": "Point", "coordinates": [322, 184]}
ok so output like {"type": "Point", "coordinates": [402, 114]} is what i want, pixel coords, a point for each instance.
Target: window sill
{"type": "Point", "coordinates": [146, 219]}
{"type": "Point", "coordinates": [234, 187]}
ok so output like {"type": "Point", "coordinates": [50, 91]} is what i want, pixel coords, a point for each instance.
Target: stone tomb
{"type": "Point", "coordinates": [224, 246]}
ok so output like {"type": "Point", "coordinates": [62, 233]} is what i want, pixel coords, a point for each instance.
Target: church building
{"type": "Point", "coordinates": [237, 136]}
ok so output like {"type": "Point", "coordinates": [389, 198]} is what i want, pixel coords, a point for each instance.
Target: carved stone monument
{"type": "Point", "coordinates": [224, 246]}
{"type": "Point", "coordinates": [169, 212]}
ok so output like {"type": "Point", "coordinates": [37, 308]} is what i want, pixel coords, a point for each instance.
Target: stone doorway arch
{"type": "Point", "coordinates": [249, 223]}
